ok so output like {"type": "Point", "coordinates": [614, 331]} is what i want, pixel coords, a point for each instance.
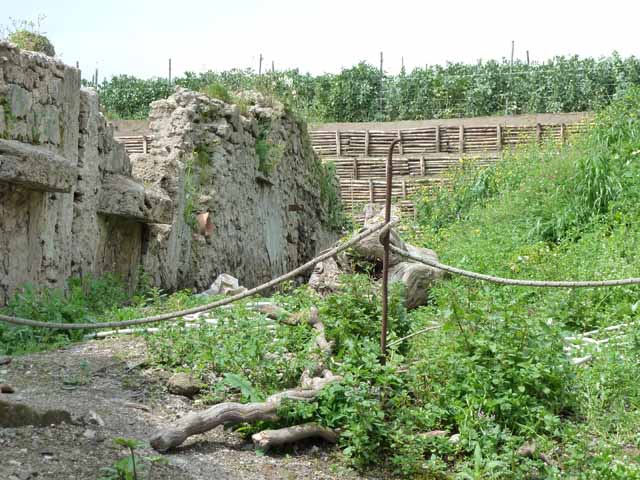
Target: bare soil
{"type": "Point", "coordinates": [111, 379]}
{"type": "Point", "coordinates": [125, 128]}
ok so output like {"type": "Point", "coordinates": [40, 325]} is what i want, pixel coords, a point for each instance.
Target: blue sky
{"type": "Point", "coordinates": [138, 37]}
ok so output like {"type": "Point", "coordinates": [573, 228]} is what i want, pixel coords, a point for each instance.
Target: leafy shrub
{"type": "Point", "coordinates": [127, 97]}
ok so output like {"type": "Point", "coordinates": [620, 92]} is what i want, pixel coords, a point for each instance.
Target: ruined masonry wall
{"type": "Point", "coordinates": [59, 213]}
{"type": "Point", "coordinates": [204, 156]}
{"type": "Point", "coordinates": [72, 203]}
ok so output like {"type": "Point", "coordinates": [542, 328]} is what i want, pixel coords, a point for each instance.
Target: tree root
{"type": "Point", "coordinates": [273, 438]}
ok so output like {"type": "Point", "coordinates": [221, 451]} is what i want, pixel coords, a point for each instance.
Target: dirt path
{"type": "Point", "coordinates": [110, 379]}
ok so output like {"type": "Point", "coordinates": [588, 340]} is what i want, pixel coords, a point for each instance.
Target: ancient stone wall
{"type": "Point", "coordinates": [219, 190]}
{"type": "Point", "coordinates": [67, 198]}
{"type": "Point", "coordinates": [249, 176]}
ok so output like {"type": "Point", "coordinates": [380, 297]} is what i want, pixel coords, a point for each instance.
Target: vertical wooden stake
{"type": "Point", "coordinates": [366, 143]}
{"type": "Point", "coordinates": [169, 71]}
{"type": "Point", "coordinates": [381, 105]}
{"type": "Point", "coordinates": [538, 133]}
{"type": "Point", "coordinates": [260, 65]}
{"type": "Point", "coordinates": [422, 169]}
{"type": "Point", "coordinates": [338, 146]}
{"type": "Point", "coordinates": [400, 142]}
{"type": "Point", "coordinates": [563, 133]}
{"type": "Point", "coordinates": [355, 168]}
{"type": "Point", "coordinates": [438, 139]}
{"type": "Point", "coordinates": [461, 139]}
{"type": "Point", "coordinates": [499, 138]}
{"type": "Point", "coordinates": [404, 189]}
{"type": "Point", "coordinates": [145, 144]}
{"type": "Point", "coordinates": [371, 192]}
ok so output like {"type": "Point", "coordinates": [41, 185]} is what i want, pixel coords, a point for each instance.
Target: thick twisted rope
{"type": "Point", "coordinates": [511, 281]}
{"type": "Point", "coordinates": [210, 306]}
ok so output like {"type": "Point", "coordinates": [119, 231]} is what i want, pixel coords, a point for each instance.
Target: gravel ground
{"type": "Point", "coordinates": [110, 392]}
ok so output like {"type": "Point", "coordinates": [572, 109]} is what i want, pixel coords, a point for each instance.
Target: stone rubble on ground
{"type": "Point", "coordinates": [183, 384]}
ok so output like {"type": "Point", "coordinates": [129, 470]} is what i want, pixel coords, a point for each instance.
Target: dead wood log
{"type": "Point", "coordinates": [325, 277]}
{"type": "Point", "coordinates": [233, 412]}
{"type": "Point", "coordinates": [417, 278]}
{"type": "Point", "coordinates": [325, 346]}
{"type": "Point", "coordinates": [276, 312]}
{"type": "Point", "coordinates": [272, 438]}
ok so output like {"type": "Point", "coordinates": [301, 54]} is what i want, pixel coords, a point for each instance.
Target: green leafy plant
{"type": "Point", "coordinates": [360, 93]}
{"type": "Point", "coordinates": [133, 466]}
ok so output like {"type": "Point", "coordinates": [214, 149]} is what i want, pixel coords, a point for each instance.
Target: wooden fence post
{"type": "Point", "coordinates": [371, 193]}
{"type": "Point", "coordinates": [400, 144]}
{"type": "Point", "coordinates": [499, 138]}
{"type": "Point", "coordinates": [563, 133]}
{"type": "Point", "coordinates": [338, 146]}
{"type": "Point", "coordinates": [355, 168]}
{"type": "Point", "coordinates": [461, 139]}
{"type": "Point", "coordinates": [538, 132]}
{"type": "Point", "coordinates": [366, 143]}
{"type": "Point", "coordinates": [437, 138]}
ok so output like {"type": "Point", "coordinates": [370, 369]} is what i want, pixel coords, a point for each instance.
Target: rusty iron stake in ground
{"type": "Point", "coordinates": [385, 259]}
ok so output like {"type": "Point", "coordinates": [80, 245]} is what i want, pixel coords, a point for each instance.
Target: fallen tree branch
{"type": "Point", "coordinates": [273, 438]}
{"type": "Point", "coordinates": [233, 412]}
{"type": "Point", "coordinates": [321, 340]}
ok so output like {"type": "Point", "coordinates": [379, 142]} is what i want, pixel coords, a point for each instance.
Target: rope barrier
{"type": "Point", "coordinates": [511, 281]}
{"type": "Point", "coordinates": [382, 227]}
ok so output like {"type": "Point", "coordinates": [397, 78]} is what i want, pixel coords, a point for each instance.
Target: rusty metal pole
{"type": "Point", "coordinates": [385, 259]}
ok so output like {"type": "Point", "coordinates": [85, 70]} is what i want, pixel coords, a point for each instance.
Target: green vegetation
{"type": "Point", "coordinates": [192, 187]}
{"type": "Point", "coordinates": [127, 97]}
{"type": "Point", "coordinates": [219, 91]}
{"type": "Point", "coordinates": [325, 174]}
{"type": "Point", "coordinates": [27, 34]}
{"type": "Point", "coordinates": [35, 42]}
{"type": "Point", "coordinates": [268, 152]}
{"type": "Point", "coordinates": [495, 376]}
{"type": "Point", "coordinates": [562, 84]}
{"type": "Point", "coordinates": [133, 466]}
{"type": "Point", "coordinates": [84, 301]}
{"type": "Point", "coordinates": [269, 155]}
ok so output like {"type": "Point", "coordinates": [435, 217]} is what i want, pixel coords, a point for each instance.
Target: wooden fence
{"type": "Point", "coordinates": [420, 161]}
{"type": "Point", "coordinates": [422, 158]}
